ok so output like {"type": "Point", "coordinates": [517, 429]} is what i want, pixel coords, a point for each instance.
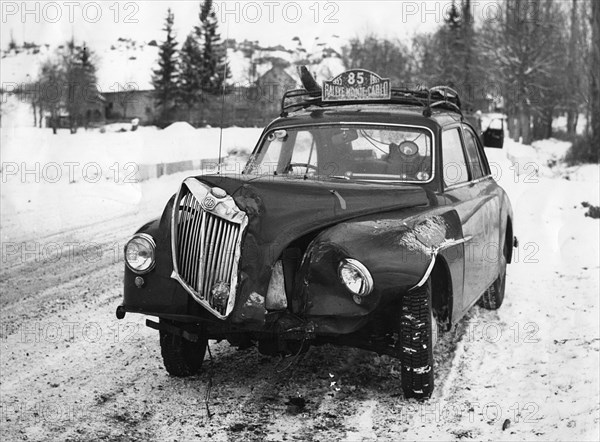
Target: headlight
{"type": "Point", "coordinates": [139, 253]}
{"type": "Point", "coordinates": [355, 276]}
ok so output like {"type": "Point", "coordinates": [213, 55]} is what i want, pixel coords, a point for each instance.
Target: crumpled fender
{"type": "Point", "coordinates": [282, 210]}
{"type": "Point", "coordinates": [398, 252]}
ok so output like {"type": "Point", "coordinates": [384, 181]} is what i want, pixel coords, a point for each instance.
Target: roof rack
{"type": "Point", "coordinates": [436, 97]}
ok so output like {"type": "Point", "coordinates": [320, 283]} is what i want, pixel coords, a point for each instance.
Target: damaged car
{"type": "Point", "coordinates": [366, 216]}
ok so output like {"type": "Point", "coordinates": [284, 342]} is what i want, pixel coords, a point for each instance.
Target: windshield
{"type": "Point", "coordinates": [352, 152]}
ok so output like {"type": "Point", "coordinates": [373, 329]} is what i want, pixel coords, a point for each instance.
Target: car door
{"type": "Point", "coordinates": [462, 193]}
{"type": "Point", "coordinates": [494, 134]}
{"type": "Point", "coordinates": [488, 209]}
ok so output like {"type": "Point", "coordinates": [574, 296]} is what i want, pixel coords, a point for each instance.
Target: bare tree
{"type": "Point", "coordinates": [388, 58]}
{"type": "Point", "coordinates": [49, 92]}
{"type": "Point", "coordinates": [558, 90]}
{"type": "Point", "coordinates": [595, 77]}
{"type": "Point", "coordinates": [518, 46]}
{"type": "Point", "coordinates": [451, 55]}
{"type": "Point", "coordinates": [574, 70]}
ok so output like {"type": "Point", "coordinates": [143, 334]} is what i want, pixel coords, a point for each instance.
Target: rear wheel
{"type": "Point", "coordinates": [182, 357]}
{"type": "Point", "coordinates": [493, 297]}
{"type": "Point", "coordinates": [416, 343]}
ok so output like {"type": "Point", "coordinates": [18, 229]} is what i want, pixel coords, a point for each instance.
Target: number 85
{"type": "Point", "coordinates": [357, 78]}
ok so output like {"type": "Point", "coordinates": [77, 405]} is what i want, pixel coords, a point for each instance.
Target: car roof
{"type": "Point", "coordinates": [385, 113]}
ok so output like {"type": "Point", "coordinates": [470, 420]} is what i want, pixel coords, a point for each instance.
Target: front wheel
{"type": "Point", "coordinates": [182, 357]}
{"type": "Point", "coordinates": [416, 343]}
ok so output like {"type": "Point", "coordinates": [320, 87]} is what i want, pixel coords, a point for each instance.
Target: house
{"type": "Point", "coordinates": [128, 104]}
{"type": "Point", "coordinates": [271, 86]}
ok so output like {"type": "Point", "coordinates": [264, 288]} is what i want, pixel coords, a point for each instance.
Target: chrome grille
{"type": "Point", "coordinates": [206, 248]}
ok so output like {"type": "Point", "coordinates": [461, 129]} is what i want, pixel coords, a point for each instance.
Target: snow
{"type": "Point", "coordinates": [75, 179]}
{"type": "Point", "coordinates": [534, 361]}
{"type": "Point", "coordinates": [128, 64]}
{"type": "Point", "coordinates": [179, 126]}
{"type": "Point", "coordinates": [23, 67]}
{"type": "Point", "coordinates": [123, 66]}
{"type": "Point", "coordinates": [239, 67]}
{"type": "Point", "coordinates": [560, 123]}
{"type": "Point", "coordinates": [15, 112]}
{"type": "Point", "coordinates": [147, 145]}
{"type": "Point", "coordinates": [544, 158]}
{"type": "Point", "coordinates": [529, 371]}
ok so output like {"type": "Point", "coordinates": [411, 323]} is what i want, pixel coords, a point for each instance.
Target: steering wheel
{"type": "Point", "coordinates": [307, 165]}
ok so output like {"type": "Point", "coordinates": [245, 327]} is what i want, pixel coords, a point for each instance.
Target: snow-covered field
{"type": "Point", "coordinates": [529, 371]}
{"type": "Point", "coordinates": [73, 179]}
{"type": "Point", "coordinates": [147, 145]}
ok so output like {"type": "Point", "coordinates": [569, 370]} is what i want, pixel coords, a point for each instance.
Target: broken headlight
{"type": "Point", "coordinates": [355, 276]}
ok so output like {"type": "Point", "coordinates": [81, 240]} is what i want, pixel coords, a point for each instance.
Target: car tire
{"type": "Point", "coordinates": [415, 341]}
{"type": "Point", "coordinates": [493, 297]}
{"type": "Point", "coordinates": [182, 357]}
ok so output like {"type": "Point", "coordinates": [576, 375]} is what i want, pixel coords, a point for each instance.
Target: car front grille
{"type": "Point", "coordinates": [206, 246]}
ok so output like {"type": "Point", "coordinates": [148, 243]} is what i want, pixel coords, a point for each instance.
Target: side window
{"type": "Point", "coordinates": [454, 164]}
{"type": "Point", "coordinates": [472, 153]}
{"type": "Point", "coordinates": [304, 149]}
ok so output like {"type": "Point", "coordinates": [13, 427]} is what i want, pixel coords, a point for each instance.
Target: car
{"type": "Point", "coordinates": [366, 216]}
{"type": "Point", "coordinates": [493, 136]}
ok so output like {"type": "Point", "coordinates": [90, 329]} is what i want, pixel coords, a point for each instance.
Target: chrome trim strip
{"type": "Point", "coordinates": [356, 123]}
{"type": "Point", "coordinates": [467, 183]}
{"type": "Point", "coordinates": [427, 272]}
{"type": "Point", "coordinates": [433, 253]}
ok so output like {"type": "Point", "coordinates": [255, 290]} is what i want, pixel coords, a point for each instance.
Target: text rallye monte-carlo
{"type": "Point", "coordinates": [365, 220]}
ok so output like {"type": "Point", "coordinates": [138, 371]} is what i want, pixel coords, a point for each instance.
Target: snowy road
{"type": "Point", "coordinates": [70, 371]}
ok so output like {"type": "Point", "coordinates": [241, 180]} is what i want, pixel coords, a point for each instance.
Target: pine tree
{"type": "Point", "coordinates": [80, 77]}
{"type": "Point", "coordinates": [190, 74]}
{"type": "Point", "coordinates": [469, 57]}
{"type": "Point", "coordinates": [164, 79]}
{"type": "Point", "coordinates": [215, 70]}
{"type": "Point", "coordinates": [449, 39]}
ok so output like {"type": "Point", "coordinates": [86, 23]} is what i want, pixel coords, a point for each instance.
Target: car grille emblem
{"type": "Point", "coordinates": [209, 203]}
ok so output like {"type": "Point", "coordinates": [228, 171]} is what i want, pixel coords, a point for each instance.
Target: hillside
{"type": "Point", "coordinates": [128, 62]}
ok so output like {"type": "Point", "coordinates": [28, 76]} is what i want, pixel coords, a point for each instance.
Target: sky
{"type": "Point", "coordinates": [99, 24]}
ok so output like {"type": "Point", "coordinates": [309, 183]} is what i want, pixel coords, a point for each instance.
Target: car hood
{"type": "Point", "coordinates": [281, 210]}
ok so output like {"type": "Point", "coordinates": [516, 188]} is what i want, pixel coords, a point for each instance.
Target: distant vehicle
{"type": "Point", "coordinates": [366, 216]}
{"type": "Point", "coordinates": [493, 135]}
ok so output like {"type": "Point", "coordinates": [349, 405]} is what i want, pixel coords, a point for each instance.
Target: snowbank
{"type": "Point", "coordinates": [179, 127]}
{"type": "Point", "coordinates": [545, 159]}
{"type": "Point", "coordinates": [32, 149]}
